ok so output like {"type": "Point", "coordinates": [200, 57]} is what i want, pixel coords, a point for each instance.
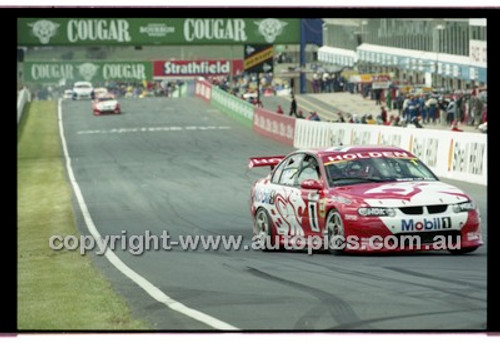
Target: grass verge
{"type": "Point", "coordinates": [57, 290]}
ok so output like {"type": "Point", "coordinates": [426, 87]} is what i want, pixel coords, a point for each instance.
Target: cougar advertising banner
{"type": "Point", "coordinates": [176, 68]}
{"type": "Point", "coordinates": [157, 31]}
{"type": "Point", "coordinates": [91, 71]}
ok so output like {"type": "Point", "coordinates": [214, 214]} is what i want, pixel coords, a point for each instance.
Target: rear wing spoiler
{"type": "Point", "coordinates": [267, 161]}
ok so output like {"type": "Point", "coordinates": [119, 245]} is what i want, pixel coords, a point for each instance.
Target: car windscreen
{"type": "Point", "coordinates": [105, 99]}
{"type": "Point", "coordinates": [376, 169]}
{"type": "Point", "coordinates": [83, 86]}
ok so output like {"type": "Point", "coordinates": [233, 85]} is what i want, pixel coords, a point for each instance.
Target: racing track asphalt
{"type": "Point", "coordinates": [194, 181]}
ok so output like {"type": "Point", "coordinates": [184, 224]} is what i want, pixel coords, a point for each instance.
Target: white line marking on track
{"type": "Point", "coordinates": [151, 129]}
{"type": "Point", "coordinates": [152, 290]}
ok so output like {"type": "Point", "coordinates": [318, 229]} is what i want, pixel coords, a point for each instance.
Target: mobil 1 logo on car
{"type": "Point", "coordinates": [432, 224]}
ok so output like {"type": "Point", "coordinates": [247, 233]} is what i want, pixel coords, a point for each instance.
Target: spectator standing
{"type": "Point", "coordinates": [422, 111]}
{"type": "Point", "coordinates": [388, 99]}
{"type": "Point", "coordinates": [329, 83]}
{"type": "Point", "coordinates": [442, 106]}
{"type": "Point", "coordinates": [458, 108]}
{"type": "Point", "coordinates": [379, 96]}
{"type": "Point", "coordinates": [475, 110]}
{"type": "Point", "coordinates": [484, 116]}
{"type": "Point", "coordinates": [406, 108]}
{"type": "Point", "coordinates": [413, 108]}
{"type": "Point", "coordinates": [431, 106]}
{"type": "Point", "coordinates": [293, 107]}
{"type": "Point", "coordinates": [451, 112]}
{"type": "Point", "coordinates": [383, 114]}
{"type": "Point", "coordinates": [279, 110]}
{"type": "Point", "coordinates": [315, 83]}
{"type": "Point", "coordinates": [324, 82]}
{"type": "Point", "coordinates": [399, 102]}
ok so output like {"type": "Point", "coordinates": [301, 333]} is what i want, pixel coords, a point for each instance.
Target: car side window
{"type": "Point", "coordinates": [290, 170]}
{"type": "Point", "coordinates": [309, 169]}
{"type": "Point", "coordinates": [277, 173]}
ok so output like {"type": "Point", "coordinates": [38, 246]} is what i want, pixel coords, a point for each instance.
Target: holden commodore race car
{"type": "Point", "coordinates": [359, 199]}
{"type": "Point", "coordinates": [105, 104]}
{"type": "Point", "coordinates": [82, 90]}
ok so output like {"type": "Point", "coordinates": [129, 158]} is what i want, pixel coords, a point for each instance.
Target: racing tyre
{"type": "Point", "coordinates": [463, 251]}
{"type": "Point", "coordinates": [334, 232]}
{"type": "Point", "coordinates": [264, 237]}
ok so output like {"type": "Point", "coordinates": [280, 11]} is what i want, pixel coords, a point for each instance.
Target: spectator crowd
{"type": "Point", "coordinates": [406, 105]}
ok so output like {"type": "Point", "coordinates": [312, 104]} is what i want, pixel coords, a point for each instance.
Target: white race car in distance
{"type": "Point", "coordinates": [100, 92]}
{"type": "Point", "coordinates": [68, 94]}
{"type": "Point", "coordinates": [82, 90]}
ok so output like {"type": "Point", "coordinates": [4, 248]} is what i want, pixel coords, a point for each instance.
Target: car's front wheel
{"type": "Point", "coordinates": [263, 236]}
{"type": "Point", "coordinates": [334, 232]}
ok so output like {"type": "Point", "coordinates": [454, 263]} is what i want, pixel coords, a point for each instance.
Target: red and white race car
{"type": "Point", "coordinates": [106, 103]}
{"type": "Point", "coordinates": [359, 199]}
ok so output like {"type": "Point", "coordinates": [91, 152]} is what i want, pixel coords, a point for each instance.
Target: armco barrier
{"type": "Point", "coordinates": [23, 98]}
{"type": "Point", "coordinates": [203, 90]}
{"type": "Point", "coordinates": [273, 125]}
{"type": "Point", "coordinates": [232, 106]}
{"type": "Point", "coordinates": [226, 103]}
{"type": "Point", "coordinates": [461, 156]}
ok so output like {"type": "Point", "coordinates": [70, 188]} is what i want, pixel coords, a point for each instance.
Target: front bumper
{"type": "Point", "coordinates": [447, 231]}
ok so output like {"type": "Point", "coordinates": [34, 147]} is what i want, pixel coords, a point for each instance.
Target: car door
{"type": "Point", "coordinates": [309, 169]}
{"type": "Point", "coordinates": [288, 205]}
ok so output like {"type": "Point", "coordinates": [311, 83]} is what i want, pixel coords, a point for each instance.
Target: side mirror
{"type": "Point", "coordinates": [311, 184]}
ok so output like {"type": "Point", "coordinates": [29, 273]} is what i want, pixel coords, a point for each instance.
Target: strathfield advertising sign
{"type": "Point", "coordinates": [157, 31]}
{"type": "Point", "coordinates": [92, 71]}
{"type": "Point", "coordinates": [174, 68]}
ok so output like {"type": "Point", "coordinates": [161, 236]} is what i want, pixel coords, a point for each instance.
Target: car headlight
{"type": "Point", "coordinates": [464, 207]}
{"type": "Point", "coordinates": [376, 212]}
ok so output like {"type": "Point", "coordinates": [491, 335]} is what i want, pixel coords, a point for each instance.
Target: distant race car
{"type": "Point", "coordinates": [359, 199]}
{"type": "Point", "coordinates": [68, 94]}
{"type": "Point", "coordinates": [105, 104]}
{"type": "Point", "coordinates": [100, 92]}
{"type": "Point", "coordinates": [82, 90]}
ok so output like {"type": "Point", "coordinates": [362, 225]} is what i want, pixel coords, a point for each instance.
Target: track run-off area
{"type": "Point", "coordinates": [180, 166]}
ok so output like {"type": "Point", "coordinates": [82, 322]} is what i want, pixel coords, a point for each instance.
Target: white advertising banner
{"type": "Point", "coordinates": [455, 155]}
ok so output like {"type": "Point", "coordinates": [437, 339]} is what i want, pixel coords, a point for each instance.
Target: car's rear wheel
{"type": "Point", "coordinates": [464, 250]}
{"type": "Point", "coordinates": [334, 232]}
{"type": "Point", "coordinates": [263, 231]}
